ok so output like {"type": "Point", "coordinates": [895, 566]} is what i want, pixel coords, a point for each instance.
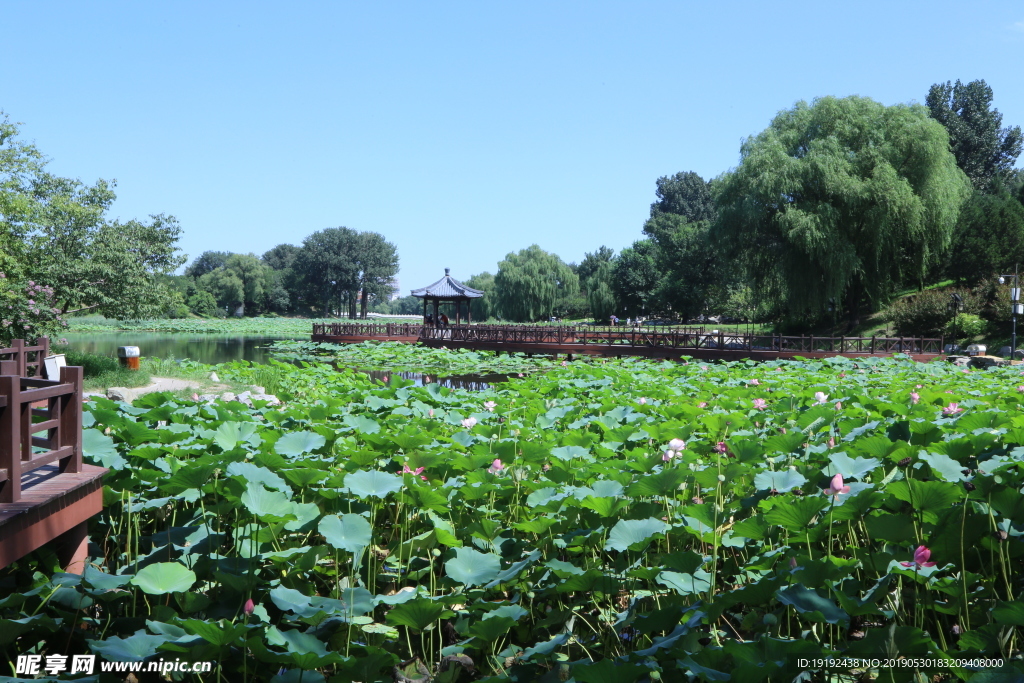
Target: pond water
{"type": "Point", "coordinates": [205, 348]}
{"type": "Point", "coordinates": [223, 348]}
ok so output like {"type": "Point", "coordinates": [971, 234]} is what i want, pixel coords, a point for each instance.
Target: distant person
{"type": "Point", "coordinates": [614, 320]}
{"type": "Point", "coordinates": [444, 320]}
{"type": "Point", "coordinates": [430, 319]}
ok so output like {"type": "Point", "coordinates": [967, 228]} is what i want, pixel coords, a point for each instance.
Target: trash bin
{"type": "Point", "coordinates": [129, 356]}
{"type": "Point", "coordinates": [976, 350]}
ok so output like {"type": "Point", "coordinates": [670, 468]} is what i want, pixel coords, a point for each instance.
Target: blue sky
{"type": "Point", "coordinates": [459, 131]}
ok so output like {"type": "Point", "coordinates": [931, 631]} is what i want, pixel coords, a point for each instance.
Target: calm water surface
{"type": "Point", "coordinates": [205, 348]}
{"type": "Point", "coordinates": [222, 348]}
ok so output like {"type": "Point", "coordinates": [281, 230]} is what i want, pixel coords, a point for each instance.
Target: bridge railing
{"type": "Point", "coordinates": [40, 424]}
{"type": "Point", "coordinates": [679, 338]}
{"type": "Point", "coordinates": [28, 359]}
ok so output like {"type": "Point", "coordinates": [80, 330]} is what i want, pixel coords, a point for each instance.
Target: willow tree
{"type": "Point", "coordinates": [530, 284]}
{"type": "Point", "coordinates": [840, 199]}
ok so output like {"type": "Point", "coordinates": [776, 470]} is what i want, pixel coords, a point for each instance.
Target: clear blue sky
{"type": "Point", "coordinates": [460, 131]}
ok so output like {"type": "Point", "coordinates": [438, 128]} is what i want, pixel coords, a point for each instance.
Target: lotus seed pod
{"type": "Point", "coordinates": [905, 462]}
{"type": "Point", "coordinates": [655, 675]}
{"type": "Point", "coordinates": [721, 477]}
{"type": "Point", "coordinates": [969, 486]}
{"type": "Point", "coordinates": [770, 619]}
{"type": "Point", "coordinates": [435, 552]}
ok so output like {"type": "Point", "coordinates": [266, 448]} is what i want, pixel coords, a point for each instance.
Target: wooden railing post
{"type": "Point", "coordinates": [10, 437]}
{"type": "Point", "coordinates": [69, 431]}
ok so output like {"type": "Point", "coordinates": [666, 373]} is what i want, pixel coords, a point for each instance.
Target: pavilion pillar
{"type": "Point", "coordinates": [424, 310]}
{"type": "Point", "coordinates": [458, 312]}
{"type": "Point", "coordinates": [436, 318]}
{"type": "Point", "coordinates": [469, 312]}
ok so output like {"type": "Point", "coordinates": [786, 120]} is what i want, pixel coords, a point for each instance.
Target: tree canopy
{"type": "Point", "coordinates": [684, 194]}
{"type": "Point", "coordinates": [529, 284]}
{"type": "Point", "coordinates": [840, 198]}
{"type": "Point", "coordinates": [983, 149]}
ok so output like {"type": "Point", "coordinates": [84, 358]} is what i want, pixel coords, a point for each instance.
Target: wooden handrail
{"type": "Point", "coordinates": [61, 420]}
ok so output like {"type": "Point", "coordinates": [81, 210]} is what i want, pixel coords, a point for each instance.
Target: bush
{"type": "Point", "coordinates": [93, 364]}
{"type": "Point", "coordinates": [964, 327]}
{"type": "Point", "coordinates": [926, 314]}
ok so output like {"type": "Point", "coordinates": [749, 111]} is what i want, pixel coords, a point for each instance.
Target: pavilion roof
{"type": "Point", "coordinates": [447, 288]}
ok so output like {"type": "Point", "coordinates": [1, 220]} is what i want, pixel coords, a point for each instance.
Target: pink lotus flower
{"type": "Point", "coordinates": [677, 444]}
{"type": "Point", "coordinates": [952, 409]}
{"type": "Point", "coordinates": [921, 556]}
{"type": "Point", "coordinates": [842, 375]}
{"type": "Point", "coordinates": [642, 401]}
{"type": "Point", "coordinates": [702, 404]}
{"type": "Point", "coordinates": [820, 397]}
{"type": "Point", "coordinates": [418, 472]}
{"type": "Point", "coordinates": [914, 397]}
{"type": "Point", "coordinates": [469, 422]}
{"type": "Point", "coordinates": [721, 447]}
{"type": "Point", "coordinates": [754, 383]}
{"type": "Point", "coordinates": [430, 412]}
{"type": "Point", "coordinates": [668, 455]}
{"type": "Point", "coordinates": [195, 397]}
{"type": "Point", "coordinates": [490, 406]}
{"type": "Point", "coordinates": [249, 607]}
{"type": "Point", "coordinates": [385, 379]}
{"type": "Point", "coordinates": [760, 403]}
{"type": "Point", "coordinates": [836, 487]}
{"type": "Point", "coordinates": [1020, 388]}
{"type": "Point", "coordinates": [832, 444]}
{"type": "Point", "coordinates": [495, 467]}
{"type": "Point", "coordinates": [921, 386]}
{"type": "Point", "coordinates": [565, 363]}
{"type": "Point", "coordinates": [792, 563]}
{"type": "Point", "coordinates": [520, 374]}
{"type": "Point", "coordinates": [839, 405]}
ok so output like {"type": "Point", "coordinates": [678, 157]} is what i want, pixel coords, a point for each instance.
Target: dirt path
{"type": "Point", "coordinates": [157, 384]}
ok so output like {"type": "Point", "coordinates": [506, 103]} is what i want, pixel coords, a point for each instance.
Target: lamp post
{"type": "Point", "coordinates": [1016, 308]}
{"type": "Point", "coordinates": [957, 302]}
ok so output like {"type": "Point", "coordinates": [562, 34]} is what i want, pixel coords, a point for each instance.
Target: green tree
{"type": "Point", "coordinates": [283, 285]}
{"type": "Point", "coordinates": [281, 257]}
{"type": "Point", "coordinates": [482, 308]}
{"type": "Point", "coordinates": [989, 237]}
{"type": "Point", "coordinates": [377, 262]}
{"type": "Point", "coordinates": [326, 264]}
{"type": "Point", "coordinates": [600, 295]}
{"type": "Point", "coordinates": [635, 279]}
{"type": "Point", "coordinates": [684, 194]}
{"type": "Point", "coordinates": [983, 149]}
{"type": "Point", "coordinates": [840, 199]}
{"type": "Point", "coordinates": [201, 302]}
{"type": "Point", "coordinates": [207, 262]}
{"type": "Point", "coordinates": [530, 283]}
{"type": "Point", "coordinates": [693, 274]}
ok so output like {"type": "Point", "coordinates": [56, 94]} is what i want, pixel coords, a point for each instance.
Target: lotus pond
{"type": "Point", "coordinates": [610, 522]}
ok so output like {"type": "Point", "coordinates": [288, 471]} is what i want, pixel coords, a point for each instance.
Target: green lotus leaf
{"type": "Point", "coordinates": [347, 532]}
{"type": "Point", "coordinates": [373, 483]}
{"type": "Point", "coordinates": [164, 577]}
{"type": "Point", "coordinates": [295, 444]}
{"type": "Point", "coordinates": [630, 532]}
{"type": "Point", "coordinates": [473, 568]}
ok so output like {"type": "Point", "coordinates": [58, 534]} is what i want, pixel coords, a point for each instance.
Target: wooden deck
{"type": "Point", "coordinates": [47, 493]}
{"type": "Point", "coordinates": [617, 342]}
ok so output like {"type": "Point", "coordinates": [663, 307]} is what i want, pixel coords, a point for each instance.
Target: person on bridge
{"type": "Point", "coordinates": [444, 320]}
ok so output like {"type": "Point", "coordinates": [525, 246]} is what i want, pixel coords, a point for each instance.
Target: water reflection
{"type": "Point", "coordinates": [205, 348]}
{"type": "Point", "coordinates": [471, 382]}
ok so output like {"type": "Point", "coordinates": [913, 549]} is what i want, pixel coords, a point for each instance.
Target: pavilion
{"type": "Point", "coordinates": [448, 289]}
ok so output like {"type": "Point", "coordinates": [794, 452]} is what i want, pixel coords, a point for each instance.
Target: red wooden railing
{"type": "Point", "coordinates": [28, 359]}
{"type": "Point", "coordinates": [679, 338]}
{"type": "Point", "coordinates": [40, 420]}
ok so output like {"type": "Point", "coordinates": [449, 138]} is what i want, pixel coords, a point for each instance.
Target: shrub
{"type": "Point", "coordinates": [926, 314]}
{"type": "Point", "coordinates": [964, 327]}
{"type": "Point", "coordinates": [93, 364]}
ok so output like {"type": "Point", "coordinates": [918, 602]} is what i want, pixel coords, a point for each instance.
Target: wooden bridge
{"type": "Point", "coordinates": [618, 341]}
{"type": "Point", "coordinates": [47, 494]}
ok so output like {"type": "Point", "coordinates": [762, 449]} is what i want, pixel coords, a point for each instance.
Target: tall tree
{"type": "Point", "coordinates": [840, 198]}
{"type": "Point", "coordinates": [684, 194]}
{"type": "Point", "coordinates": [989, 237]}
{"type": "Point", "coordinates": [983, 149]}
{"type": "Point", "coordinates": [483, 308]}
{"type": "Point", "coordinates": [327, 265]}
{"type": "Point", "coordinates": [530, 283]}
{"type": "Point", "coordinates": [693, 274]}
{"type": "Point", "coordinates": [377, 262]}
{"type": "Point", "coordinates": [281, 257]}
{"type": "Point", "coordinates": [636, 277]}
{"type": "Point", "coordinates": [207, 262]}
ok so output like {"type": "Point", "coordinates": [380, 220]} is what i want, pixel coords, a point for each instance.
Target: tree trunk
{"type": "Point", "coordinates": [362, 305]}
{"type": "Point", "coordinates": [853, 296]}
